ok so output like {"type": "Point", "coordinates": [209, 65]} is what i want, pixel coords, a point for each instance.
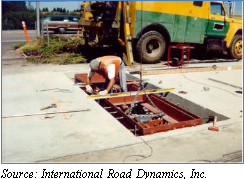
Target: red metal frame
{"type": "Point", "coordinates": [96, 78]}
{"type": "Point", "coordinates": [185, 48]}
{"type": "Point", "coordinates": [174, 118]}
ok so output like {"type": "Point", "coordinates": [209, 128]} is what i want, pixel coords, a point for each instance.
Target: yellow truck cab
{"type": "Point", "coordinates": [154, 25]}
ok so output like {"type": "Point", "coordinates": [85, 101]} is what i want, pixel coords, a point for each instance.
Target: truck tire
{"type": "Point", "coordinates": [151, 47]}
{"type": "Point", "coordinates": [62, 30]}
{"type": "Point", "coordinates": [235, 49]}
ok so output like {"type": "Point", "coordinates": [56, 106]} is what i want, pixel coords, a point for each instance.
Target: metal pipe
{"type": "Point", "coordinates": [37, 19]}
{"type": "Point", "coordinates": [58, 112]}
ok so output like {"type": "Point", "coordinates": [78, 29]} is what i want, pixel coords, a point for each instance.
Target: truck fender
{"type": "Point", "coordinates": [231, 34]}
{"type": "Point", "coordinates": [155, 27]}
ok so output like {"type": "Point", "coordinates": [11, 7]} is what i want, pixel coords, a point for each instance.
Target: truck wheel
{"type": "Point", "coordinates": [235, 50]}
{"type": "Point", "coordinates": [151, 47]}
{"type": "Point", "coordinates": [62, 30]}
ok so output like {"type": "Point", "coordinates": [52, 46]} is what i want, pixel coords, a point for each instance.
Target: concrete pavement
{"type": "Point", "coordinates": [196, 147]}
{"type": "Point", "coordinates": [95, 136]}
{"type": "Point", "coordinates": [10, 37]}
{"type": "Point", "coordinates": [42, 137]}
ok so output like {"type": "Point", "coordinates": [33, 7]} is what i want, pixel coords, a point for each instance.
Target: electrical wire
{"type": "Point", "coordinates": [210, 86]}
{"type": "Point", "coordinates": [142, 157]}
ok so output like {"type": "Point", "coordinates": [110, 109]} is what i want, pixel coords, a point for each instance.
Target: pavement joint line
{"type": "Point", "coordinates": [228, 84]}
{"type": "Point", "coordinates": [142, 142]}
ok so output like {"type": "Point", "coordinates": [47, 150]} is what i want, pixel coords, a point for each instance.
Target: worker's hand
{"type": "Point", "coordinates": [103, 92]}
{"type": "Point", "coordinates": [89, 89]}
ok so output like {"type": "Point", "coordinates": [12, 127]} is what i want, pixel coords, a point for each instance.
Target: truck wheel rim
{"type": "Point", "coordinates": [238, 48]}
{"type": "Point", "coordinates": [153, 48]}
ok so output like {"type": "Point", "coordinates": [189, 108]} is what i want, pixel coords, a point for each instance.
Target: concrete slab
{"type": "Point", "coordinates": [219, 98]}
{"type": "Point", "coordinates": [227, 78]}
{"type": "Point", "coordinates": [198, 147]}
{"type": "Point", "coordinates": [95, 136]}
{"type": "Point", "coordinates": [38, 138]}
{"type": "Point", "coordinates": [8, 53]}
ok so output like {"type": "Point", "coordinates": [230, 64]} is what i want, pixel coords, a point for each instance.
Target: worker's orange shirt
{"type": "Point", "coordinates": [105, 62]}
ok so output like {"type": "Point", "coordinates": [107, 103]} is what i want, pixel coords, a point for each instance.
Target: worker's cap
{"type": "Point", "coordinates": [94, 64]}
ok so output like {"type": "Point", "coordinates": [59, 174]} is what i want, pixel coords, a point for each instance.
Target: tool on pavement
{"type": "Point", "coordinates": [50, 106]}
{"type": "Point", "coordinates": [214, 127]}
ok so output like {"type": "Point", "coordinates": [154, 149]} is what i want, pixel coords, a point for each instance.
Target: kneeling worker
{"type": "Point", "coordinates": [108, 67]}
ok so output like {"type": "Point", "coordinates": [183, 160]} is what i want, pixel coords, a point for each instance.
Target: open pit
{"type": "Point", "coordinates": [144, 114]}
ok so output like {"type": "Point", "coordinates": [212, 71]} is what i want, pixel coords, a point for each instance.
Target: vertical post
{"type": "Point", "coordinates": [127, 34]}
{"type": "Point", "coordinates": [42, 30]}
{"type": "Point", "coordinates": [47, 34]}
{"type": "Point", "coordinates": [35, 26]}
{"type": "Point", "coordinates": [214, 121]}
{"type": "Point", "coordinates": [230, 9]}
{"type": "Point", "coordinates": [26, 33]}
{"type": "Point", "coordinates": [37, 19]}
{"type": "Point", "coordinates": [233, 8]}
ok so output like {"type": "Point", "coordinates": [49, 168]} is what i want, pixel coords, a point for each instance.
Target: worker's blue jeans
{"type": "Point", "coordinates": [122, 77]}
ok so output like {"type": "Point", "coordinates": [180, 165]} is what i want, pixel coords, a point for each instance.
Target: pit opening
{"type": "Point", "coordinates": [149, 113]}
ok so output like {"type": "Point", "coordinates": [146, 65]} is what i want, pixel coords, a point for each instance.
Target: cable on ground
{"type": "Point", "coordinates": [142, 157]}
{"type": "Point", "coordinates": [211, 86]}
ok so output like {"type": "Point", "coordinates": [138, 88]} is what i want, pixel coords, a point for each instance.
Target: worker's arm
{"type": "Point", "coordinates": [111, 77]}
{"type": "Point", "coordinates": [110, 84]}
{"type": "Point", "coordinates": [89, 76]}
{"type": "Point", "coordinates": [88, 82]}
